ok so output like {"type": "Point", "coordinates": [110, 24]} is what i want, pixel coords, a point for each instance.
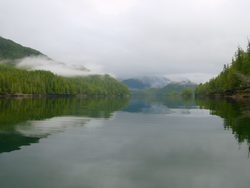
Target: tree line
{"type": "Point", "coordinates": [14, 80]}
{"type": "Point", "coordinates": [233, 77]}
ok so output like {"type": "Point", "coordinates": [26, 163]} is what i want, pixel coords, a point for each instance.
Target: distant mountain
{"type": "Point", "coordinates": [145, 82]}
{"type": "Point", "coordinates": [173, 86]}
{"type": "Point", "coordinates": [181, 79]}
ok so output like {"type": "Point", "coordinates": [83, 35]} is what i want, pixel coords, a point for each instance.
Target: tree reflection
{"type": "Point", "coordinates": [235, 112]}
{"type": "Point", "coordinates": [15, 112]}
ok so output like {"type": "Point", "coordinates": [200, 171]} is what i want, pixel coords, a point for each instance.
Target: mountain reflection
{"type": "Point", "coordinates": [21, 120]}
{"type": "Point", "coordinates": [160, 105]}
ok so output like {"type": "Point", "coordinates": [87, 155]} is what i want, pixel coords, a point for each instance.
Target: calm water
{"type": "Point", "coordinates": [124, 143]}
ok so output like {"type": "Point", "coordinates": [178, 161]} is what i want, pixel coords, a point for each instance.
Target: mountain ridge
{"type": "Point", "coordinates": [147, 82]}
{"type": "Point", "coordinates": [173, 86]}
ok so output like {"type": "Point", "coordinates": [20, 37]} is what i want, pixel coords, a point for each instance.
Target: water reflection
{"type": "Point", "coordinates": [161, 105]}
{"type": "Point", "coordinates": [158, 143]}
{"type": "Point", "coordinates": [25, 121]}
{"type": "Point", "coordinates": [10, 141]}
{"type": "Point", "coordinates": [235, 113]}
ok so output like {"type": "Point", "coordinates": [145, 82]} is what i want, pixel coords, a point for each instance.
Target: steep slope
{"type": "Point", "coordinates": [12, 50]}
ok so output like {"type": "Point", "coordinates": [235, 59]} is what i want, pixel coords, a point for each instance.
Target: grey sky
{"type": "Point", "coordinates": [127, 38]}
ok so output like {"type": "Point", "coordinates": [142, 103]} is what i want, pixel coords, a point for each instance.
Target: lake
{"type": "Point", "coordinates": [116, 142]}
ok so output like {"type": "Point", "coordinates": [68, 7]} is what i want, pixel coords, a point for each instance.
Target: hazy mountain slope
{"type": "Point", "coordinates": [22, 57]}
{"type": "Point", "coordinates": [173, 86]}
{"type": "Point", "coordinates": [145, 82]}
{"type": "Point", "coordinates": [181, 79]}
{"type": "Point", "coordinates": [135, 84]}
{"type": "Point", "coordinates": [155, 81]}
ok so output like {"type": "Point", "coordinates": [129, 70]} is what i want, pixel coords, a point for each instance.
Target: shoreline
{"type": "Point", "coordinates": [25, 95]}
{"type": "Point", "coordinates": [240, 93]}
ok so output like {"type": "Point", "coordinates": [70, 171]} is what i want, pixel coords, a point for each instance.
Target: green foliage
{"type": "Point", "coordinates": [13, 80]}
{"type": "Point", "coordinates": [166, 90]}
{"type": "Point", "coordinates": [187, 91]}
{"type": "Point", "coordinates": [231, 76]}
{"type": "Point", "coordinates": [174, 93]}
{"type": "Point", "coordinates": [176, 86]}
{"type": "Point", "coordinates": [12, 50]}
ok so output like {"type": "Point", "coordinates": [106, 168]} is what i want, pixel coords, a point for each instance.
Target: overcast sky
{"type": "Point", "coordinates": [128, 38]}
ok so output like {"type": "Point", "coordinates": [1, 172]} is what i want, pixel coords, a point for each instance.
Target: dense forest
{"type": "Point", "coordinates": [187, 92]}
{"type": "Point", "coordinates": [14, 80]}
{"type": "Point", "coordinates": [234, 76]}
{"type": "Point", "coordinates": [170, 89]}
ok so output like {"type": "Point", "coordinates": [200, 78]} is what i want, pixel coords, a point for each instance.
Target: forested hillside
{"type": "Point", "coordinates": [14, 80]}
{"type": "Point", "coordinates": [233, 77]}
{"type": "Point", "coordinates": [12, 50]}
{"type": "Point", "coordinates": [173, 86]}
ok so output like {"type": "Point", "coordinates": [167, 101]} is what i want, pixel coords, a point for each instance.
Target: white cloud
{"type": "Point", "coordinates": [112, 7]}
{"type": "Point", "coordinates": [132, 38]}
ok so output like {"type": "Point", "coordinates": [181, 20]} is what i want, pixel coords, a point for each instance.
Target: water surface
{"type": "Point", "coordinates": [121, 142]}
